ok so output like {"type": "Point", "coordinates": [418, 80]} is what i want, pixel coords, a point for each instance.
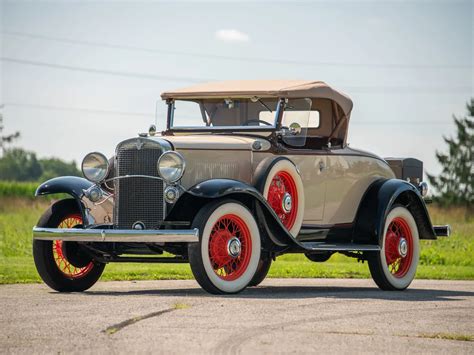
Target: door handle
{"type": "Point", "coordinates": [322, 166]}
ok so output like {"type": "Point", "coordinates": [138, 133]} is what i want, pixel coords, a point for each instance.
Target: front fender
{"type": "Point", "coordinates": [200, 194]}
{"type": "Point", "coordinates": [71, 185]}
{"type": "Point", "coordinates": [377, 203]}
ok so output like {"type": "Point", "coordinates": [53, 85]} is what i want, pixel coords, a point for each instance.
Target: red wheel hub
{"type": "Point", "coordinates": [230, 247]}
{"type": "Point", "coordinates": [61, 262]}
{"type": "Point", "coordinates": [398, 247]}
{"type": "Point", "coordinates": [283, 190]}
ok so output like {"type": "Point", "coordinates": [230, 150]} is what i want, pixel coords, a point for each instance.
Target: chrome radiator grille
{"type": "Point", "coordinates": [138, 199]}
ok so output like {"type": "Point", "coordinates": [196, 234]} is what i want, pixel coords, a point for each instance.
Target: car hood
{"type": "Point", "coordinates": [214, 142]}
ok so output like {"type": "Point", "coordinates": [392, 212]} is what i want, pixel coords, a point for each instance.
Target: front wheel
{"type": "Point", "coordinates": [394, 267]}
{"type": "Point", "coordinates": [64, 266]}
{"type": "Point", "coordinates": [262, 270]}
{"type": "Point", "coordinates": [228, 253]}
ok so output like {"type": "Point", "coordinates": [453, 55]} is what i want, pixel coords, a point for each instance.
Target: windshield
{"type": "Point", "coordinates": [223, 113]}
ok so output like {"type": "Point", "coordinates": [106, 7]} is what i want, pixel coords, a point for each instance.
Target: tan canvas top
{"type": "Point", "coordinates": [262, 88]}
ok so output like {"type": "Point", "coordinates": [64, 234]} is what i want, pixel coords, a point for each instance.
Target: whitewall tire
{"type": "Point", "coordinates": [228, 253]}
{"type": "Point", "coordinates": [394, 267]}
{"type": "Point", "coordinates": [284, 192]}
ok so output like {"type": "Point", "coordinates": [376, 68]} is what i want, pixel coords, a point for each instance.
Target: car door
{"type": "Point", "coordinates": [312, 168]}
{"type": "Point", "coordinates": [311, 163]}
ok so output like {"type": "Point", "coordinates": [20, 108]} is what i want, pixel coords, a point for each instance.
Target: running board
{"type": "Point", "coordinates": [317, 246]}
{"type": "Point", "coordinates": [307, 234]}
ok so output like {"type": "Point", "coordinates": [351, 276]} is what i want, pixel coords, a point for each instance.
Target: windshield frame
{"type": "Point", "coordinates": [276, 123]}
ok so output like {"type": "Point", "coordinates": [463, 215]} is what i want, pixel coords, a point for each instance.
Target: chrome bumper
{"type": "Point", "coordinates": [442, 231]}
{"type": "Point", "coordinates": [116, 235]}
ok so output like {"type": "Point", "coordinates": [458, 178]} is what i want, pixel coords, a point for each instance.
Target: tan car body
{"type": "Point", "coordinates": [334, 180]}
{"type": "Point", "coordinates": [261, 170]}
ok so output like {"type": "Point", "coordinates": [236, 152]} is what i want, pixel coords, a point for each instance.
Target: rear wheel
{"type": "Point", "coordinates": [394, 267]}
{"type": "Point", "coordinates": [227, 255]}
{"type": "Point", "coordinates": [64, 266]}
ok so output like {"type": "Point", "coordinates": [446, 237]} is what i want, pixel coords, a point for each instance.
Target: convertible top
{"type": "Point", "coordinates": [262, 89]}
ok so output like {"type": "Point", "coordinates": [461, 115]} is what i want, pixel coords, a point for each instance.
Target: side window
{"type": "Point", "coordinates": [302, 118]}
{"type": "Point", "coordinates": [296, 119]}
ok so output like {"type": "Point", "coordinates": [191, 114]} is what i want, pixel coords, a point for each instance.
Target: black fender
{"type": "Point", "coordinates": [71, 185]}
{"type": "Point", "coordinates": [202, 193]}
{"type": "Point", "coordinates": [262, 170]}
{"type": "Point", "coordinates": [376, 204]}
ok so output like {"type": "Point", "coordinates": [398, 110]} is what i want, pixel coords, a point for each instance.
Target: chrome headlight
{"type": "Point", "coordinates": [95, 167]}
{"type": "Point", "coordinates": [423, 187]}
{"type": "Point", "coordinates": [171, 166]}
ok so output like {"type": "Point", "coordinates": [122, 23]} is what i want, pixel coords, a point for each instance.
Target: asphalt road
{"type": "Point", "coordinates": [282, 315]}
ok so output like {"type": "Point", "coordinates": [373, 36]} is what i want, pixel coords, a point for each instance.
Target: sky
{"type": "Point", "coordinates": [82, 76]}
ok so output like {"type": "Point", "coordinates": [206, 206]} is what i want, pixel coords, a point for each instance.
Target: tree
{"type": "Point", "coordinates": [455, 184]}
{"type": "Point", "coordinates": [54, 167]}
{"type": "Point", "coordinates": [5, 139]}
{"type": "Point", "coordinates": [19, 165]}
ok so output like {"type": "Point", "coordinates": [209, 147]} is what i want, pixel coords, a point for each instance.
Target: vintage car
{"type": "Point", "coordinates": [245, 171]}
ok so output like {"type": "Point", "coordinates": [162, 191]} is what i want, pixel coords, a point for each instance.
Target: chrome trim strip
{"type": "Point", "coordinates": [133, 176]}
{"type": "Point", "coordinates": [318, 246]}
{"type": "Point", "coordinates": [117, 235]}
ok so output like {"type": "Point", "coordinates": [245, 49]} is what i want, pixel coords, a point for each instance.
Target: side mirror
{"type": "Point", "coordinates": [295, 128]}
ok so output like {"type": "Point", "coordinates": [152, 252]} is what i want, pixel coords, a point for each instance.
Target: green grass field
{"type": "Point", "coordinates": [445, 258]}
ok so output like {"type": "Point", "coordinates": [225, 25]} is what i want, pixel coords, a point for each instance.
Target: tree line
{"type": "Point", "coordinates": [17, 164]}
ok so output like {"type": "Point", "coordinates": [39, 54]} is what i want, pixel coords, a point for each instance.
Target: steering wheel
{"type": "Point", "coordinates": [257, 121]}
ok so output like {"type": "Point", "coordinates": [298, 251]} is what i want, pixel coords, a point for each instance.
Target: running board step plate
{"type": "Point", "coordinates": [317, 246]}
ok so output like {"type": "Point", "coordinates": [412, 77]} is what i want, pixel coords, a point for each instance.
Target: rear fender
{"type": "Point", "coordinates": [377, 203]}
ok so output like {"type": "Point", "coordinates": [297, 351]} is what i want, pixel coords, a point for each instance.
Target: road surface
{"type": "Point", "coordinates": [282, 315]}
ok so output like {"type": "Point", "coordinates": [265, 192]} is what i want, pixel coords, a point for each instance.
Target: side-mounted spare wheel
{"type": "Point", "coordinates": [228, 253]}
{"type": "Point", "coordinates": [394, 267]}
{"type": "Point", "coordinates": [64, 266]}
{"type": "Point", "coordinates": [284, 192]}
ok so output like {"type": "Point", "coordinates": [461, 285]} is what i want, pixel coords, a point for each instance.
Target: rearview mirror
{"type": "Point", "coordinates": [295, 128]}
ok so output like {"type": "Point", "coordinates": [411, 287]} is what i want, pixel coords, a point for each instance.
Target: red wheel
{"type": "Point", "coordinates": [230, 247]}
{"type": "Point", "coordinates": [228, 253]}
{"type": "Point", "coordinates": [62, 263]}
{"type": "Point", "coordinates": [394, 267]}
{"type": "Point", "coordinates": [284, 193]}
{"type": "Point", "coordinates": [398, 247]}
{"type": "Point", "coordinates": [283, 197]}
{"type": "Point", "coordinates": [64, 266]}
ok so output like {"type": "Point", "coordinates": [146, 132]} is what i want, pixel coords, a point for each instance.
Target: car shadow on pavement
{"type": "Point", "coordinates": [301, 292]}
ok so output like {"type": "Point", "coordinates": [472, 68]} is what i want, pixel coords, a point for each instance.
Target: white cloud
{"type": "Point", "coordinates": [232, 35]}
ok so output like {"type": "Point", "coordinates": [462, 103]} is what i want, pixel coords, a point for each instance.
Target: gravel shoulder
{"type": "Point", "coordinates": [282, 315]}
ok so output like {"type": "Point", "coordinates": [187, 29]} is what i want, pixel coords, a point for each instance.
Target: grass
{"type": "Point", "coordinates": [444, 259]}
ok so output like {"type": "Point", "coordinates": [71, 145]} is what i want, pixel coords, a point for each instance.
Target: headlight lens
{"type": "Point", "coordinates": [95, 167]}
{"type": "Point", "coordinates": [423, 188]}
{"type": "Point", "coordinates": [171, 166]}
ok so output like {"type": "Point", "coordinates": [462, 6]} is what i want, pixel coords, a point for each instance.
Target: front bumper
{"type": "Point", "coordinates": [116, 235]}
